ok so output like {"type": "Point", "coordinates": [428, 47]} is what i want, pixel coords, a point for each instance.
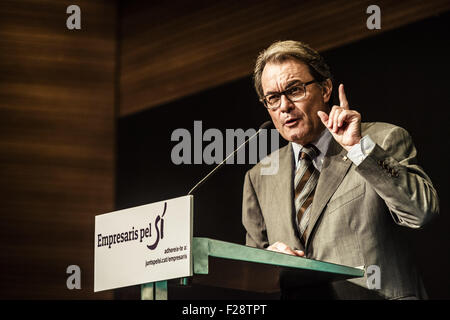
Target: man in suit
{"type": "Point", "coordinates": [343, 188]}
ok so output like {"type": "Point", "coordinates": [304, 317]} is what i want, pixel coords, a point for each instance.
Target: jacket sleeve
{"type": "Point", "coordinates": [392, 170]}
{"type": "Point", "coordinates": [252, 217]}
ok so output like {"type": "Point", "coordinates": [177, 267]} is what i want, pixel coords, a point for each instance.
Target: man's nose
{"type": "Point", "coordinates": [286, 105]}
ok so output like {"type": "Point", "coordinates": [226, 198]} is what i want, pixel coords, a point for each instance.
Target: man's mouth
{"type": "Point", "coordinates": [291, 122]}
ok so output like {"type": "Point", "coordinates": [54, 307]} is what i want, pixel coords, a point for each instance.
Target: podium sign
{"type": "Point", "coordinates": [143, 244]}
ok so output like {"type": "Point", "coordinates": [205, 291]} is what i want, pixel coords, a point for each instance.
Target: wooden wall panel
{"type": "Point", "coordinates": [57, 122]}
{"type": "Point", "coordinates": [173, 50]}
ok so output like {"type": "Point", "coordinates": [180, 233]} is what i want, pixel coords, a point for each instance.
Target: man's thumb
{"type": "Point", "coordinates": [323, 116]}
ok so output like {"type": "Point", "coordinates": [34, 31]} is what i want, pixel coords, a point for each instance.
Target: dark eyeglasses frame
{"type": "Point", "coordinates": [265, 103]}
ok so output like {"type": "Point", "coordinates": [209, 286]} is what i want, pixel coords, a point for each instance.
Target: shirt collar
{"type": "Point", "coordinates": [321, 143]}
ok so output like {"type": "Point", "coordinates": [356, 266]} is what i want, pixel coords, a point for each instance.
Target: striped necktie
{"type": "Point", "coordinates": [305, 182]}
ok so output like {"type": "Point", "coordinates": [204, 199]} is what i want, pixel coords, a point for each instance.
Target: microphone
{"type": "Point", "coordinates": [265, 125]}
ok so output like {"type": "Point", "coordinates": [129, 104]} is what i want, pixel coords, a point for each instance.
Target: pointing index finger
{"type": "Point", "coordinates": [342, 97]}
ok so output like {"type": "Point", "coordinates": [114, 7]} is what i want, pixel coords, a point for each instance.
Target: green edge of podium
{"type": "Point", "coordinates": [204, 248]}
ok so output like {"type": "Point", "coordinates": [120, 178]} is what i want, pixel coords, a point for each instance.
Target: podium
{"type": "Point", "coordinates": [225, 265]}
{"type": "Point", "coordinates": [153, 245]}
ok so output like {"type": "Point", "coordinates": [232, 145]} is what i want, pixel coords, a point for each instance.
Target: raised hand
{"type": "Point", "coordinates": [343, 123]}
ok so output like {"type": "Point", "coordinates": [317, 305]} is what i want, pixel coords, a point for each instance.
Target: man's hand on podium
{"type": "Point", "coordinates": [284, 248]}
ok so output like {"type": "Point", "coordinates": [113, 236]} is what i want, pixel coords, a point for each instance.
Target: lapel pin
{"type": "Point", "coordinates": [344, 158]}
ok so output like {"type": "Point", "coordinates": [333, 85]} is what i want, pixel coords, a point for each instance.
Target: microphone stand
{"type": "Point", "coordinates": [265, 125]}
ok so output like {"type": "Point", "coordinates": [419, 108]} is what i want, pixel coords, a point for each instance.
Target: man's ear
{"type": "Point", "coordinates": [327, 88]}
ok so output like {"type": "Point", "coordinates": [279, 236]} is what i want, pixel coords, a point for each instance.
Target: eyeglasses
{"type": "Point", "coordinates": [272, 101]}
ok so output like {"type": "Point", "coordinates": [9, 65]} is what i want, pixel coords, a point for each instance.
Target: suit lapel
{"type": "Point", "coordinates": [333, 171]}
{"type": "Point", "coordinates": [283, 196]}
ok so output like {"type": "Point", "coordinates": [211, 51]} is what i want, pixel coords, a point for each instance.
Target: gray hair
{"type": "Point", "coordinates": [283, 50]}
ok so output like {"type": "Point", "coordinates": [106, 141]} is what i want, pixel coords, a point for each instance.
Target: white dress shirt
{"type": "Point", "coordinates": [356, 154]}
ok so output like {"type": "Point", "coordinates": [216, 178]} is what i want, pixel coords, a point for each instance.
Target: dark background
{"type": "Point", "coordinates": [400, 77]}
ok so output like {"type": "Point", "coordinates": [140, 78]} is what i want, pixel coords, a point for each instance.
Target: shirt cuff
{"type": "Point", "coordinates": [360, 151]}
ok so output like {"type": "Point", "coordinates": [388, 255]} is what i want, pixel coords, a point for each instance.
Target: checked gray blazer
{"type": "Point", "coordinates": [356, 213]}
